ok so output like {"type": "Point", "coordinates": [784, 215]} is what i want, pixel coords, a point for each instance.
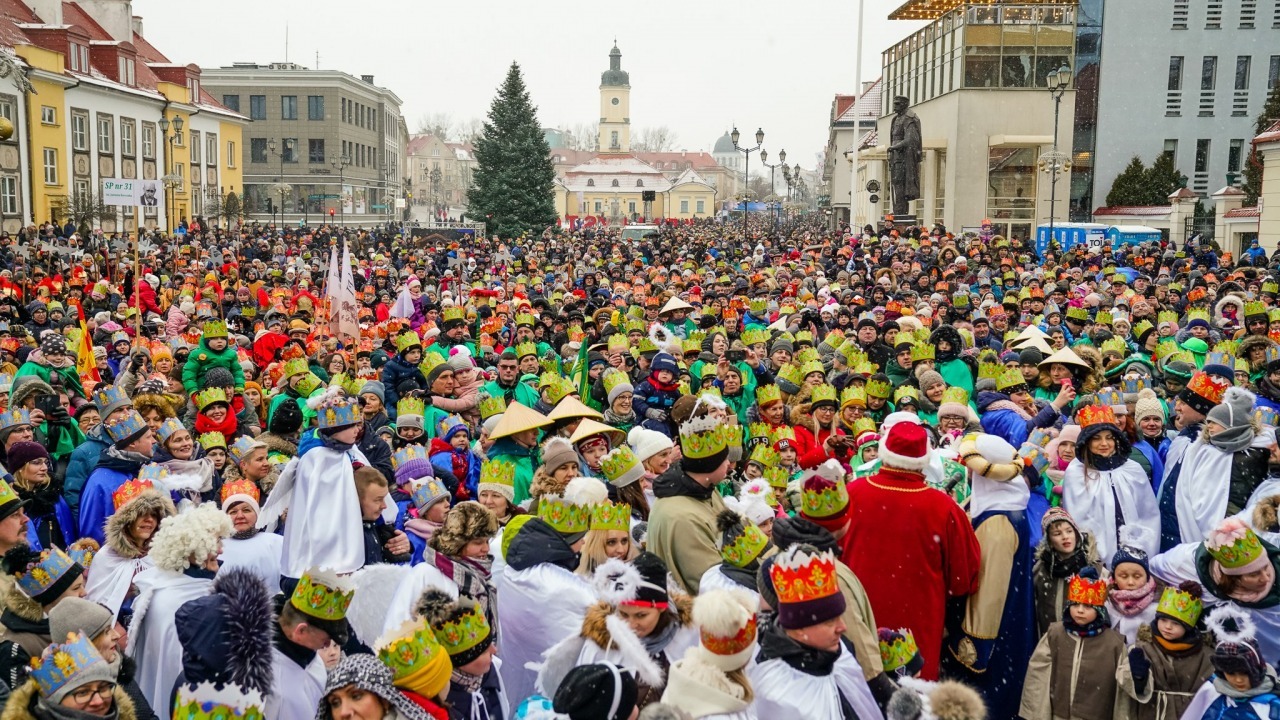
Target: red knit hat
{"type": "Point", "coordinates": [905, 447]}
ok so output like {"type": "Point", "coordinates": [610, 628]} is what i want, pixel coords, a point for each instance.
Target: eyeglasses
{"type": "Point", "coordinates": [84, 695]}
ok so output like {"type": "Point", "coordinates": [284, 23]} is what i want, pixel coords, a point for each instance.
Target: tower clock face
{"type": "Point", "coordinates": [614, 101]}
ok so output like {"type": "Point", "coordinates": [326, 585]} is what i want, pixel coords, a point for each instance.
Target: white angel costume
{"type": "Point", "coordinates": [784, 692]}
{"type": "Point", "coordinates": [259, 554]}
{"type": "Point", "coordinates": [1204, 485]}
{"type": "Point", "coordinates": [111, 575]}
{"type": "Point", "coordinates": [537, 607]}
{"type": "Point", "coordinates": [153, 636]}
{"type": "Point", "coordinates": [298, 689]}
{"type": "Point", "coordinates": [1092, 501]}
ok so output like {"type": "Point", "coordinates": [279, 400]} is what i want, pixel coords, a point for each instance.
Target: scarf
{"type": "Point", "coordinates": [227, 427]}
{"type": "Point", "coordinates": [1109, 463]}
{"type": "Point", "coordinates": [661, 386]}
{"type": "Point", "coordinates": [1244, 596]}
{"type": "Point", "coordinates": [1233, 439]}
{"type": "Point", "coordinates": [1132, 602]}
{"type": "Point", "coordinates": [1094, 628]}
{"type": "Point", "coordinates": [1009, 405]}
{"type": "Point", "coordinates": [245, 535]}
{"type": "Point", "coordinates": [123, 461]}
{"type": "Point", "coordinates": [196, 475]}
{"type": "Point", "coordinates": [41, 501]}
{"type": "Point", "coordinates": [422, 527]}
{"type": "Point", "coordinates": [466, 682]}
{"type": "Point", "coordinates": [613, 419]}
{"type": "Point", "coordinates": [746, 577]}
{"type": "Point", "coordinates": [1064, 567]}
{"type": "Point", "coordinates": [1267, 685]}
{"type": "Point", "coordinates": [658, 641]}
{"type": "Point", "coordinates": [1177, 649]}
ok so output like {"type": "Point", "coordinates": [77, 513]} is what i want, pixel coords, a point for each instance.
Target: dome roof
{"type": "Point", "coordinates": [615, 76]}
{"type": "Point", "coordinates": [723, 146]}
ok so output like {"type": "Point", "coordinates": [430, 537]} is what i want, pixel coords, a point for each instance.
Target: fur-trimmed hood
{"type": "Point", "coordinates": [596, 630]}
{"type": "Point", "coordinates": [22, 702]}
{"type": "Point", "coordinates": [18, 603]}
{"type": "Point", "coordinates": [277, 444]}
{"type": "Point", "coordinates": [151, 502]}
{"type": "Point", "coordinates": [1093, 379]}
{"type": "Point", "coordinates": [1251, 343]}
{"type": "Point", "coordinates": [1266, 514]}
{"type": "Point", "coordinates": [1219, 320]}
{"type": "Point", "coordinates": [544, 484]}
{"type": "Point", "coordinates": [30, 385]}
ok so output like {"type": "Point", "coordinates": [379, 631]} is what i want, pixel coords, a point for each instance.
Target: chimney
{"type": "Point", "coordinates": [49, 11]}
{"type": "Point", "coordinates": [137, 26]}
{"type": "Point", "coordinates": [367, 78]}
{"type": "Point", "coordinates": [115, 16]}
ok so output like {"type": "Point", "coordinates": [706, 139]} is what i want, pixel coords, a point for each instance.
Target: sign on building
{"type": "Point", "coordinates": [131, 193]}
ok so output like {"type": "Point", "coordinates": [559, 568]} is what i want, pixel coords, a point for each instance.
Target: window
{"type": "Point", "coordinates": [1209, 72]}
{"type": "Point", "coordinates": [106, 133]}
{"type": "Point", "coordinates": [257, 107]}
{"type": "Point", "coordinates": [684, 206]}
{"type": "Point", "coordinates": [615, 183]}
{"type": "Point", "coordinates": [193, 87]}
{"type": "Point", "coordinates": [81, 189]}
{"type": "Point", "coordinates": [231, 154]}
{"type": "Point", "coordinates": [613, 139]}
{"type": "Point", "coordinates": [126, 71]}
{"type": "Point", "coordinates": [1202, 156]}
{"type": "Point", "coordinates": [231, 102]}
{"type": "Point", "coordinates": [48, 115]}
{"type": "Point", "coordinates": [195, 148]}
{"type": "Point", "coordinates": [289, 107]}
{"type": "Point", "coordinates": [9, 195]}
{"type": "Point", "coordinates": [702, 206]}
{"type": "Point", "coordinates": [1234, 154]}
{"type": "Point", "coordinates": [211, 152]}
{"type": "Point", "coordinates": [1175, 72]}
{"type": "Point", "coordinates": [127, 130]}
{"type": "Point", "coordinates": [258, 150]}
{"type": "Point", "coordinates": [315, 150]}
{"type": "Point", "coordinates": [639, 183]}
{"type": "Point", "coordinates": [179, 140]}
{"type": "Point", "coordinates": [315, 107]}
{"type": "Point", "coordinates": [1171, 150]}
{"type": "Point", "coordinates": [289, 152]}
{"type": "Point", "coordinates": [180, 170]}
{"type": "Point", "coordinates": [1242, 72]}
{"type": "Point", "coordinates": [6, 107]}
{"type": "Point", "coordinates": [591, 183]}
{"type": "Point", "coordinates": [344, 109]}
{"type": "Point", "coordinates": [50, 166]}
{"type": "Point", "coordinates": [631, 207]}
{"type": "Point", "coordinates": [79, 130]}
{"type": "Point", "coordinates": [148, 140]}
{"type": "Point", "coordinates": [1273, 71]}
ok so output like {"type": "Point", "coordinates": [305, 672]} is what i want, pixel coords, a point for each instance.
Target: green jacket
{"type": "Point", "coordinates": [506, 450]}
{"type": "Point", "coordinates": [70, 377]}
{"type": "Point", "coordinates": [521, 393]}
{"type": "Point", "coordinates": [202, 359]}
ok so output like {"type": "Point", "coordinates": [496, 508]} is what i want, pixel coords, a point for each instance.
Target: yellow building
{"type": "Point", "coordinates": [614, 184]}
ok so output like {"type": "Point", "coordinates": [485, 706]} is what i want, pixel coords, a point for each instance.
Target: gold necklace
{"type": "Point", "coordinates": [896, 489]}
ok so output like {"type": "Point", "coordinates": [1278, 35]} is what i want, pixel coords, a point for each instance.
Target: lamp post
{"type": "Point", "coordinates": [1054, 162]}
{"type": "Point", "coordinates": [280, 186]}
{"type": "Point", "coordinates": [791, 175]}
{"type": "Point", "coordinates": [746, 169]}
{"type": "Point", "coordinates": [782, 160]}
{"type": "Point", "coordinates": [341, 163]}
{"type": "Point", "coordinates": [171, 180]}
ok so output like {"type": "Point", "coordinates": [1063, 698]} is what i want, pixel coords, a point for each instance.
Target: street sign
{"type": "Point", "coordinates": [400, 203]}
{"type": "Point", "coordinates": [379, 207]}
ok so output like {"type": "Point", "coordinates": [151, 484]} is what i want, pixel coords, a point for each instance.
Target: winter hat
{"type": "Point", "coordinates": [805, 583]}
{"type": "Point", "coordinates": [64, 667]}
{"type": "Point", "coordinates": [218, 377]}
{"type": "Point", "coordinates": [1204, 390]}
{"type": "Point", "coordinates": [459, 625]}
{"type": "Point", "coordinates": [905, 446]}
{"type": "Point", "coordinates": [222, 634]}
{"type": "Point", "coordinates": [1235, 410]}
{"type": "Point", "coordinates": [664, 361]}
{"type": "Point", "coordinates": [741, 541]}
{"type": "Point", "coordinates": [928, 378]}
{"type": "Point", "coordinates": [825, 498]}
{"type": "Point", "coordinates": [375, 388]}
{"type": "Point", "coordinates": [53, 344]}
{"type": "Point", "coordinates": [602, 691]}
{"type": "Point", "coordinates": [640, 583]}
{"type": "Point", "coordinates": [41, 576]}
{"type": "Point", "coordinates": [557, 452]}
{"type": "Point", "coordinates": [465, 522]}
{"type": "Point", "coordinates": [77, 615]}
{"type": "Point", "coordinates": [21, 453]}
{"type": "Point", "coordinates": [726, 622]}
{"type": "Point", "coordinates": [1148, 405]}
{"type": "Point", "coordinates": [784, 343]}
{"type": "Point", "coordinates": [648, 443]}
{"type": "Point", "coordinates": [1236, 548]}
{"type": "Point", "coordinates": [1237, 650]}
{"type": "Point", "coordinates": [1057, 514]}
{"type": "Point", "coordinates": [461, 361]}
{"type": "Point", "coordinates": [1134, 539]}
{"type": "Point", "coordinates": [788, 531]}
{"type": "Point", "coordinates": [1030, 356]}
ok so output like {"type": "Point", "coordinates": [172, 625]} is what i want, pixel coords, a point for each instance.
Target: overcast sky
{"type": "Point", "coordinates": [697, 66]}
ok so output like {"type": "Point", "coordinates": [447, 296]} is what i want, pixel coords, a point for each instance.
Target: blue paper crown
{"type": "Point", "coordinates": [241, 448]}
{"type": "Point", "coordinates": [60, 663]}
{"type": "Point", "coordinates": [168, 428]}
{"type": "Point", "coordinates": [1110, 397]}
{"type": "Point", "coordinates": [428, 491]}
{"type": "Point", "coordinates": [1267, 416]}
{"type": "Point", "coordinates": [109, 395]}
{"type": "Point", "coordinates": [152, 473]}
{"type": "Point", "coordinates": [408, 454]}
{"type": "Point", "coordinates": [14, 417]}
{"type": "Point", "coordinates": [126, 427]}
{"type": "Point", "coordinates": [6, 379]}
{"type": "Point", "coordinates": [1220, 358]}
{"type": "Point", "coordinates": [339, 414]}
{"type": "Point", "coordinates": [1134, 385]}
{"type": "Point", "coordinates": [53, 565]}
{"type": "Point", "coordinates": [448, 423]}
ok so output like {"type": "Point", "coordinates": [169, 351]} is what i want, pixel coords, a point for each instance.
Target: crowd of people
{"type": "Point", "coordinates": [735, 469]}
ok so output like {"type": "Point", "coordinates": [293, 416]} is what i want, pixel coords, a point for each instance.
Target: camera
{"type": "Point", "coordinates": [736, 356]}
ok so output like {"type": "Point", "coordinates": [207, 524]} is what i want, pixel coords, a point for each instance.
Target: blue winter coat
{"type": "Point", "coordinates": [395, 372]}
{"type": "Point", "coordinates": [442, 462]}
{"type": "Point", "coordinates": [62, 516]}
{"type": "Point", "coordinates": [83, 460]}
{"type": "Point", "coordinates": [1008, 424]}
{"type": "Point", "coordinates": [647, 397]}
{"type": "Point", "coordinates": [95, 503]}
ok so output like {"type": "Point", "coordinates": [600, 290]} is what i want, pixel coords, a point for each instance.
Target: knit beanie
{"type": "Point", "coordinates": [218, 377]}
{"type": "Point", "coordinates": [646, 443]}
{"type": "Point", "coordinates": [1133, 542]}
{"type": "Point", "coordinates": [1030, 356]}
{"type": "Point", "coordinates": [1148, 405]}
{"type": "Point", "coordinates": [602, 691]}
{"type": "Point", "coordinates": [460, 361]}
{"type": "Point", "coordinates": [78, 615]}
{"type": "Point", "coordinates": [557, 452]}
{"type": "Point", "coordinates": [22, 453]}
{"type": "Point", "coordinates": [375, 388]}
{"type": "Point", "coordinates": [1235, 410]}
{"type": "Point", "coordinates": [782, 343]}
{"type": "Point", "coordinates": [664, 361]}
{"type": "Point", "coordinates": [929, 378]}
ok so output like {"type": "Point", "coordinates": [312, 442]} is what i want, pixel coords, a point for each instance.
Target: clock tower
{"type": "Point", "coordinates": [615, 107]}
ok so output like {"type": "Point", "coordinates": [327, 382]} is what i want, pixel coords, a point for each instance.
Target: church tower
{"type": "Point", "coordinates": [615, 107]}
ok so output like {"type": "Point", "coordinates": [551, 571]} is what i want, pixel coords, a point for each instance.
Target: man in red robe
{"type": "Point", "coordinates": [911, 546]}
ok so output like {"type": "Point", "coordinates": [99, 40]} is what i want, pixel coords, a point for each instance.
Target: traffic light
{"type": "Point", "coordinates": [330, 212]}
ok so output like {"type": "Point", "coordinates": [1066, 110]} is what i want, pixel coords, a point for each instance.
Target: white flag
{"type": "Point", "coordinates": [332, 287]}
{"type": "Point", "coordinates": [348, 313]}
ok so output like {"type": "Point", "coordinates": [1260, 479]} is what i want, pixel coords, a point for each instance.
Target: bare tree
{"type": "Point", "coordinates": [439, 124]}
{"type": "Point", "coordinates": [655, 139]}
{"type": "Point", "coordinates": [470, 129]}
{"type": "Point", "coordinates": [583, 136]}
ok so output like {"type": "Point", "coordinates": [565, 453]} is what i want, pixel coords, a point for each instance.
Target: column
{"type": "Point", "coordinates": [1268, 145]}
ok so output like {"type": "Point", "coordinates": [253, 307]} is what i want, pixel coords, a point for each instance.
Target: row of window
{"type": "Point", "coordinates": [1215, 20]}
{"type": "Point", "coordinates": [1209, 83]}
{"type": "Point", "coordinates": [288, 106]}
{"type": "Point", "coordinates": [128, 132]}
{"type": "Point", "coordinates": [701, 206]}
{"type": "Point", "coordinates": [290, 151]}
{"type": "Point", "coordinates": [1235, 154]}
{"type": "Point", "coordinates": [359, 114]}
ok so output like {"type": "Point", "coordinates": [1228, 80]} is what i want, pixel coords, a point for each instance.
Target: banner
{"type": "Point", "coordinates": [86, 364]}
{"type": "Point", "coordinates": [332, 286]}
{"type": "Point", "coordinates": [348, 315]}
{"type": "Point", "coordinates": [132, 193]}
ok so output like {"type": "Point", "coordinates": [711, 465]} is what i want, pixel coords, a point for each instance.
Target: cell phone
{"type": "Point", "coordinates": [47, 404]}
{"type": "Point", "coordinates": [1068, 382]}
{"type": "Point", "coordinates": [736, 355]}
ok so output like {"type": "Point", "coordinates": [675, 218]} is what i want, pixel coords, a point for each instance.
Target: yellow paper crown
{"type": "Point", "coordinates": [766, 394]}
{"type": "Point", "coordinates": [411, 406]}
{"type": "Point", "coordinates": [491, 405]}
{"type": "Point", "coordinates": [922, 351]}
{"type": "Point", "coordinates": [704, 437]}
{"type": "Point", "coordinates": [900, 652]}
{"type": "Point", "coordinates": [322, 594]}
{"type": "Point", "coordinates": [877, 388]}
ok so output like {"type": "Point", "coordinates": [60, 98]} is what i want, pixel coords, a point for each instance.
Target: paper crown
{"type": "Point", "coordinates": [1077, 313]}
{"type": "Point", "coordinates": [491, 405]}
{"type": "Point", "coordinates": [853, 395]}
{"type": "Point", "coordinates": [764, 456]}
{"type": "Point", "coordinates": [212, 441]}
{"type": "Point", "coordinates": [1103, 317]}
{"type": "Point", "coordinates": [37, 578]}
{"type": "Point", "coordinates": [427, 492]}
{"type": "Point", "coordinates": [1271, 287]}
{"type": "Point", "coordinates": [822, 498]}
{"type": "Point", "coordinates": [567, 518]}
{"type": "Point", "coordinates": [704, 437]}
{"type": "Point", "coordinates": [1235, 549]}
{"type": "Point", "coordinates": [990, 370]}
{"type": "Point", "coordinates": [130, 491]}
{"type": "Point", "coordinates": [242, 448]}
{"type": "Point", "coordinates": [801, 577]}
{"type": "Point", "coordinates": [338, 413]}
{"type": "Point", "coordinates": [525, 320]}
{"type": "Point", "coordinates": [109, 395]}
{"type": "Point", "coordinates": [1209, 387]}
{"type": "Point", "coordinates": [1141, 328]}
{"type": "Point", "coordinates": [1167, 316]}
{"type": "Point", "coordinates": [1198, 314]}
{"type": "Point", "coordinates": [746, 546]}
{"type": "Point", "coordinates": [207, 701]}
{"type": "Point", "coordinates": [609, 515]}
{"type": "Point", "coordinates": [407, 454]}
{"type": "Point", "coordinates": [782, 432]}
{"type": "Point", "coordinates": [168, 429]}
{"type": "Point", "coordinates": [14, 417]}
{"type": "Point", "coordinates": [525, 349]}
{"type": "Point", "coordinates": [957, 395]}
{"type": "Point", "coordinates": [322, 594]}
{"type": "Point", "coordinates": [210, 396]}
{"type": "Point", "coordinates": [409, 650]}
{"type": "Point", "coordinates": [452, 313]}
{"type": "Point", "coordinates": [922, 351]}
{"type": "Point", "coordinates": [1010, 378]}
{"type": "Point", "coordinates": [498, 472]}
{"type": "Point", "coordinates": [1267, 416]}
{"type": "Point", "coordinates": [906, 392]}
{"type": "Point", "coordinates": [1110, 397]}
{"type": "Point", "coordinates": [879, 389]}
{"type": "Point", "coordinates": [7, 495]}
{"type": "Point", "coordinates": [1180, 605]}
{"type": "Point", "coordinates": [806, 355]}
{"type": "Point", "coordinates": [215, 329]}
{"type": "Point", "coordinates": [618, 343]}
{"type": "Point", "coordinates": [613, 379]}
{"type": "Point", "coordinates": [862, 426]}
{"type": "Point", "coordinates": [295, 366]}
{"type": "Point", "coordinates": [1095, 414]}
{"type": "Point", "coordinates": [621, 466]}
{"type": "Point", "coordinates": [463, 631]}
{"type": "Point", "coordinates": [1255, 309]}
{"type": "Point", "coordinates": [1115, 344]}
{"type": "Point", "coordinates": [429, 362]}
{"type": "Point", "coordinates": [406, 341]}
{"type": "Point", "coordinates": [1220, 358]}
{"type": "Point", "coordinates": [350, 385]}
{"type": "Point", "coordinates": [240, 487]}
{"type": "Point", "coordinates": [823, 394]}
{"type": "Point", "coordinates": [126, 427]}
{"type": "Point", "coordinates": [900, 652]}
{"type": "Point", "coordinates": [777, 477]}
{"type": "Point", "coordinates": [410, 406]}
{"type": "Point", "coordinates": [766, 394]}
{"type": "Point", "coordinates": [1083, 591]}
{"type": "Point", "coordinates": [59, 664]}
{"type": "Point", "coordinates": [1133, 385]}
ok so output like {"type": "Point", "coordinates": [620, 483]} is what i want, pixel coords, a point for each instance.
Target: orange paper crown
{"type": "Point", "coordinates": [731, 645]}
{"type": "Point", "coordinates": [810, 580]}
{"type": "Point", "coordinates": [128, 492]}
{"type": "Point", "coordinates": [1209, 387]}
{"type": "Point", "coordinates": [1084, 591]}
{"type": "Point", "coordinates": [1096, 414]}
{"type": "Point", "coordinates": [241, 487]}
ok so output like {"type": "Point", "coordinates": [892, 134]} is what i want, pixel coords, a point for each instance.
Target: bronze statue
{"type": "Point", "coordinates": [904, 156]}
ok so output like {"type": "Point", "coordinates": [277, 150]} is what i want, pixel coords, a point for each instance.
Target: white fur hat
{"type": "Point", "coordinates": [190, 537]}
{"type": "Point", "coordinates": [648, 443]}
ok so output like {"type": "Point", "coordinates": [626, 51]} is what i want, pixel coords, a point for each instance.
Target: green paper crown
{"type": "Point", "coordinates": [621, 466]}
{"type": "Point", "coordinates": [1115, 344]}
{"type": "Point", "coordinates": [906, 391]}
{"type": "Point", "coordinates": [452, 313]}
{"type": "Point", "coordinates": [1010, 378]}
{"type": "Point", "coordinates": [492, 405]}
{"type": "Point", "coordinates": [863, 425]}
{"type": "Point", "coordinates": [463, 631]}
{"type": "Point", "coordinates": [746, 546]}
{"type": "Point", "coordinates": [1271, 287]}
{"type": "Point", "coordinates": [956, 395]}
{"type": "Point", "coordinates": [922, 351]}
{"type": "Point", "coordinates": [350, 385]}
{"type": "Point", "coordinates": [429, 362]}
{"type": "Point", "coordinates": [990, 370]}
{"type": "Point", "coordinates": [823, 394]}
{"type": "Point", "coordinates": [853, 395]}
{"type": "Point", "coordinates": [1239, 552]}
{"type": "Point", "coordinates": [1180, 605]}
{"type": "Point", "coordinates": [611, 516]}
{"type": "Point", "coordinates": [214, 329]}
{"type": "Point", "coordinates": [755, 336]}
{"type": "Point", "coordinates": [498, 472]}
{"type": "Point", "coordinates": [618, 343]}
{"type": "Point", "coordinates": [1167, 316]}
{"type": "Point", "coordinates": [296, 366]}
{"type": "Point", "coordinates": [525, 320]}
{"type": "Point", "coordinates": [782, 432]}
{"type": "Point", "coordinates": [565, 517]}
{"type": "Point", "coordinates": [211, 396]}
{"type": "Point", "coordinates": [410, 406]}
{"type": "Point", "coordinates": [810, 367]}
{"type": "Point", "coordinates": [406, 341]}
{"type": "Point", "coordinates": [1198, 314]}
{"type": "Point", "coordinates": [1141, 328]}
{"type": "Point", "coordinates": [704, 437]}
{"type": "Point", "coordinates": [7, 495]}
{"type": "Point", "coordinates": [766, 394]}
{"type": "Point", "coordinates": [526, 349]}
{"type": "Point", "coordinates": [777, 477]}
{"type": "Point", "coordinates": [1077, 313]}
{"type": "Point", "coordinates": [900, 652]}
{"type": "Point", "coordinates": [322, 594]}
{"type": "Point", "coordinates": [830, 501]}
{"type": "Point", "coordinates": [614, 378]}
{"type": "Point", "coordinates": [212, 441]}
{"type": "Point", "coordinates": [1255, 308]}
{"type": "Point", "coordinates": [309, 383]}
{"type": "Point", "coordinates": [879, 389]}
{"type": "Point", "coordinates": [410, 649]}
{"type": "Point", "coordinates": [764, 456]}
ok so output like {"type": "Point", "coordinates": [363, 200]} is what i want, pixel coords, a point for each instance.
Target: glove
{"type": "Point", "coordinates": [137, 362]}
{"type": "Point", "coordinates": [882, 689]}
{"type": "Point", "coordinates": [58, 416]}
{"type": "Point", "coordinates": [1139, 668]}
{"type": "Point", "coordinates": [656, 415]}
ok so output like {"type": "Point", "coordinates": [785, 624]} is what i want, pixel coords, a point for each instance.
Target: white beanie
{"type": "Point", "coordinates": [647, 443]}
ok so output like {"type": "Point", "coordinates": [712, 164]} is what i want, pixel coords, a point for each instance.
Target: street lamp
{"type": "Point", "coordinates": [1054, 162]}
{"type": "Point", "coordinates": [782, 160]}
{"type": "Point", "coordinates": [171, 180]}
{"type": "Point", "coordinates": [341, 163]}
{"type": "Point", "coordinates": [746, 168]}
{"type": "Point", "coordinates": [280, 185]}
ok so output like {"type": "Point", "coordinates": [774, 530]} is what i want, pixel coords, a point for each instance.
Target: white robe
{"type": "Point", "coordinates": [784, 692]}
{"type": "Point", "coordinates": [323, 529]}
{"type": "Point", "coordinates": [537, 608]}
{"type": "Point", "coordinates": [298, 690]}
{"type": "Point", "coordinates": [1179, 565]}
{"type": "Point", "coordinates": [259, 554]}
{"type": "Point", "coordinates": [1128, 626]}
{"type": "Point", "coordinates": [109, 577]}
{"type": "Point", "coordinates": [1093, 503]}
{"type": "Point", "coordinates": [683, 639]}
{"type": "Point", "coordinates": [153, 636]}
{"type": "Point", "coordinates": [715, 579]}
{"type": "Point", "coordinates": [1204, 484]}
{"type": "Point", "coordinates": [1208, 694]}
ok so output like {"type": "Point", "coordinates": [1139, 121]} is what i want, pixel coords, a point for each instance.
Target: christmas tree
{"type": "Point", "coordinates": [514, 176]}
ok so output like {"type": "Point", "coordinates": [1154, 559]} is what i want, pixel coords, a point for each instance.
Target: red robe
{"type": "Point", "coordinates": [913, 548]}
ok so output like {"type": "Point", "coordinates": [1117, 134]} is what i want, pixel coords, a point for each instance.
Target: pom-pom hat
{"type": "Point", "coordinates": [741, 541]}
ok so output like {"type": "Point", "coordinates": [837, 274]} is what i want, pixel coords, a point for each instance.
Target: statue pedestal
{"type": "Point", "coordinates": [904, 220]}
